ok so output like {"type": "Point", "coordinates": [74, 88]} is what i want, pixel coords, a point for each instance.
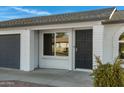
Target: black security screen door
{"type": "Point", "coordinates": [83, 50]}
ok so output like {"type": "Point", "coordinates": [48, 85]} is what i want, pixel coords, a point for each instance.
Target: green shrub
{"type": "Point", "coordinates": [108, 75]}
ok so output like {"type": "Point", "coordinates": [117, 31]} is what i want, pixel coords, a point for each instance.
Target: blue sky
{"type": "Point", "coordinates": [14, 12]}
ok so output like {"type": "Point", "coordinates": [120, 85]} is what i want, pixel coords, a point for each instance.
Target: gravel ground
{"type": "Point", "coordinates": [14, 83]}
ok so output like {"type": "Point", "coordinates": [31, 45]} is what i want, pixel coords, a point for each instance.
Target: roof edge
{"type": "Point", "coordinates": [60, 14]}
{"type": "Point", "coordinates": [95, 15]}
{"type": "Point", "coordinates": [112, 22]}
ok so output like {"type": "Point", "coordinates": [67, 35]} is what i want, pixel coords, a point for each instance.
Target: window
{"type": "Point", "coordinates": [49, 44]}
{"type": "Point", "coordinates": [62, 44]}
{"type": "Point", "coordinates": [121, 46]}
{"type": "Point", "coordinates": [56, 44]}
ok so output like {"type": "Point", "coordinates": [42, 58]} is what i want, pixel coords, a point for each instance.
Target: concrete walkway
{"type": "Point", "coordinates": [60, 78]}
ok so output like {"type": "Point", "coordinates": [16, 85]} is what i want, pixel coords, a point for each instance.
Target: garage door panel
{"type": "Point", "coordinates": [10, 51]}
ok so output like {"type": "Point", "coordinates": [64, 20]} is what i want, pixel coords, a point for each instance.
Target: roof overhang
{"type": "Point", "coordinates": [84, 16]}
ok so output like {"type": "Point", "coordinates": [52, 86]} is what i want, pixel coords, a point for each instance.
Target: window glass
{"type": "Point", "coordinates": [121, 37]}
{"type": "Point", "coordinates": [121, 50]}
{"type": "Point", "coordinates": [62, 44]}
{"type": "Point", "coordinates": [49, 44]}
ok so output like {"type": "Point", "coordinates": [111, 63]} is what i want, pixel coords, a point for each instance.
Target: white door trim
{"type": "Point", "coordinates": [73, 46]}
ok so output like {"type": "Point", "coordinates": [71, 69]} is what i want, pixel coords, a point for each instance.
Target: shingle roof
{"type": "Point", "coordinates": [94, 15]}
{"type": "Point", "coordinates": [118, 17]}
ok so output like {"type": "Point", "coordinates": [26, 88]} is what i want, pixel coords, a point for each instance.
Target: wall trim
{"type": "Point", "coordinates": [116, 42]}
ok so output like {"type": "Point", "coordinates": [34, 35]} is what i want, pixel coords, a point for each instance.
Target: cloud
{"type": "Point", "coordinates": [5, 17]}
{"type": "Point", "coordinates": [31, 11]}
{"type": "Point", "coordinates": [11, 17]}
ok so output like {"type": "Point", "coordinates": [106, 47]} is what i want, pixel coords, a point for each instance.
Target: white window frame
{"type": "Point", "coordinates": [120, 42]}
{"type": "Point", "coordinates": [55, 56]}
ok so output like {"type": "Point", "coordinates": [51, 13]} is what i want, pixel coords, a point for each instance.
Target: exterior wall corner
{"type": "Point", "coordinates": [98, 32]}
{"type": "Point", "coordinates": [27, 51]}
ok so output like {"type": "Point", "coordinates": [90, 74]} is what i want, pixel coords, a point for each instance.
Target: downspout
{"type": "Point", "coordinates": [38, 65]}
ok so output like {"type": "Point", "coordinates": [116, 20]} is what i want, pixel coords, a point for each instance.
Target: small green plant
{"type": "Point", "coordinates": [108, 75]}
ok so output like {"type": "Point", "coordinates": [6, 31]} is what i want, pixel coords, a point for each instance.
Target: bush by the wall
{"type": "Point", "coordinates": [108, 75]}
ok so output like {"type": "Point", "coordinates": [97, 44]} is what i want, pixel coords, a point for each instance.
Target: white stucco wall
{"type": "Point", "coordinates": [98, 31]}
{"type": "Point", "coordinates": [104, 44]}
{"type": "Point", "coordinates": [30, 51]}
{"type": "Point", "coordinates": [110, 50]}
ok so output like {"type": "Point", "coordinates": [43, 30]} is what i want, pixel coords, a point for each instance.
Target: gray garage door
{"type": "Point", "coordinates": [10, 51]}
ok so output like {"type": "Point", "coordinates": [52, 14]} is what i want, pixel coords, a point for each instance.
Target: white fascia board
{"type": "Point", "coordinates": [56, 26]}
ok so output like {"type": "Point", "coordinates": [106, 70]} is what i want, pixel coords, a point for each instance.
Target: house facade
{"type": "Point", "coordinates": [65, 41]}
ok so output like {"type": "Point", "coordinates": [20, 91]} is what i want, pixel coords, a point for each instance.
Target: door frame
{"type": "Point", "coordinates": [74, 46]}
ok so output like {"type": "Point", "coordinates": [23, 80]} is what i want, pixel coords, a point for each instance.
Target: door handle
{"type": "Point", "coordinates": [76, 49]}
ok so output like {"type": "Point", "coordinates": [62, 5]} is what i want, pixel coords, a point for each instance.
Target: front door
{"type": "Point", "coordinates": [83, 50]}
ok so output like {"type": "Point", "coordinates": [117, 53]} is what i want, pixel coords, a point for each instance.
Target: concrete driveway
{"type": "Point", "coordinates": [53, 77]}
